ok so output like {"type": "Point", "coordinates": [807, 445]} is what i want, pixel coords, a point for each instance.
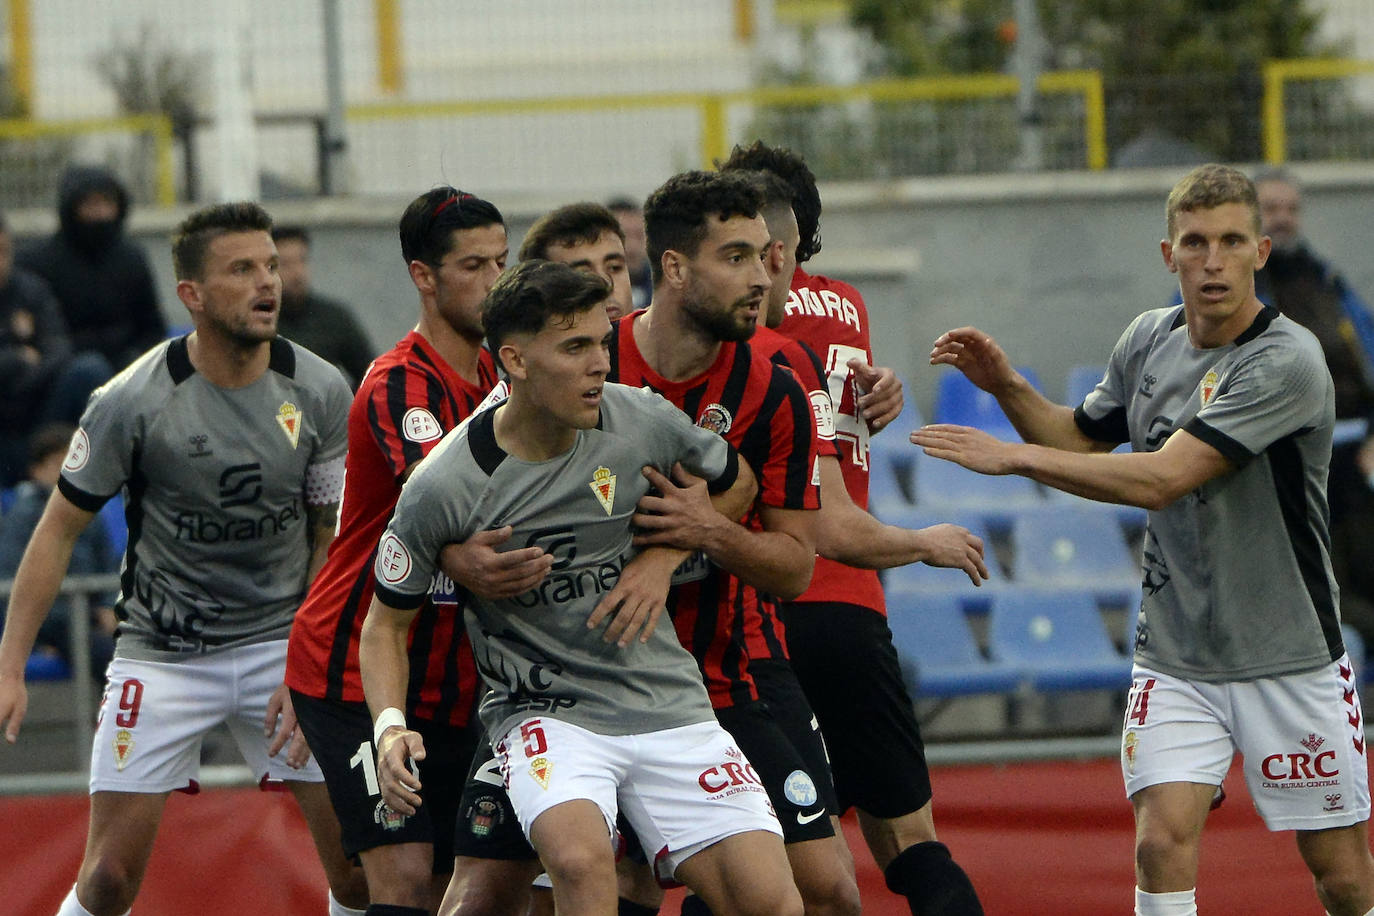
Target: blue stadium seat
{"type": "Point", "coordinates": [44, 667]}
{"type": "Point", "coordinates": [957, 400]}
{"type": "Point", "coordinates": [1077, 546]}
{"type": "Point", "coordinates": [937, 651]}
{"type": "Point", "coordinates": [1059, 637]}
{"type": "Point", "coordinates": [1080, 381]}
{"type": "Point", "coordinates": [890, 457]}
{"type": "Point", "coordinates": [942, 485]}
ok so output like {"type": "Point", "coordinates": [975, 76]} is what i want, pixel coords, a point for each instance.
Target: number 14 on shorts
{"type": "Point", "coordinates": [1138, 702]}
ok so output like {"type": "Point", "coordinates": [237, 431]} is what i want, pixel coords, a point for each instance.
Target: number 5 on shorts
{"type": "Point", "coordinates": [533, 734]}
{"type": "Point", "coordinates": [1139, 701]}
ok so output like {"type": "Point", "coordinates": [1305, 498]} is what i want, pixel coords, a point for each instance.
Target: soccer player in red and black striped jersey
{"type": "Point", "coordinates": [455, 247]}
{"type": "Point", "coordinates": [707, 243]}
{"type": "Point", "coordinates": [840, 646]}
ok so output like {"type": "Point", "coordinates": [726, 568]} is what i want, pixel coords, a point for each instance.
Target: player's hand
{"type": "Point", "coordinates": [976, 355]}
{"type": "Point", "coordinates": [14, 703]}
{"type": "Point", "coordinates": [681, 517]}
{"type": "Point", "coordinates": [639, 597]}
{"type": "Point", "coordinates": [966, 446]}
{"type": "Point", "coordinates": [880, 398]}
{"type": "Point", "coordinates": [280, 725]}
{"type": "Point", "coordinates": [395, 772]}
{"type": "Point", "coordinates": [952, 547]}
{"type": "Point", "coordinates": [479, 567]}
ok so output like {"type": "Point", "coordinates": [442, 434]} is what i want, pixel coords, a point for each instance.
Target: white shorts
{"type": "Point", "coordinates": [154, 716]}
{"type": "Point", "coordinates": [682, 789]}
{"type": "Point", "coordinates": [1302, 737]}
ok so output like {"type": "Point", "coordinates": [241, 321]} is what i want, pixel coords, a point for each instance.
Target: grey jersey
{"type": "Point", "coordinates": [215, 482]}
{"type": "Point", "coordinates": [535, 651]}
{"type": "Point", "coordinates": [1237, 574]}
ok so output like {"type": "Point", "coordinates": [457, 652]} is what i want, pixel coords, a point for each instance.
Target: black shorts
{"type": "Point", "coordinates": [792, 787]}
{"type": "Point", "coordinates": [782, 693]}
{"type": "Point", "coordinates": [844, 658]}
{"type": "Point", "coordinates": [340, 737]}
{"type": "Point", "coordinates": [487, 826]}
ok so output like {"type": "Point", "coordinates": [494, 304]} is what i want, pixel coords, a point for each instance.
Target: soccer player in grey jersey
{"type": "Point", "coordinates": [584, 724]}
{"type": "Point", "coordinates": [1229, 409]}
{"type": "Point", "coordinates": [229, 445]}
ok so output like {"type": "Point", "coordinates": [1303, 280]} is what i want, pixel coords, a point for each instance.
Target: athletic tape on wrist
{"type": "Point", "coordinates": [385, 719]}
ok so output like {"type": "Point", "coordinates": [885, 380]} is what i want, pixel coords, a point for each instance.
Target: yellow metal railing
{"type": "Point", "coordinates": [160, 126]}
{"type": "Point", "coordinates": [712, 106]}
{"type": "Point", "coordinates": [1277, 75]}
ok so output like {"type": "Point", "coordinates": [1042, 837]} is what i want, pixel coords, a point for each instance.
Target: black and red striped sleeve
{"type": "Point", "coordinates": [788, 479]}
{"type": "Point", "coordinates": [408, 412]}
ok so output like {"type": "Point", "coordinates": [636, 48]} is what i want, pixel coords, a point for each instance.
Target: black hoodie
{"type": "Point", "coordinates": [100, 277]}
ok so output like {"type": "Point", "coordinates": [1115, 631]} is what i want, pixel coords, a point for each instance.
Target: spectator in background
{"type": "Point", "coordinates": [631, 216]}
{"type": "Point", "coordinates": [102, 279]}
{"type": "Point", "coordinates": [1303, 286]}
{"type": "Point", "coordinates": [93, 553]}
{"type": "Point", "coordinates": [318, 323]}
{"type": "Point", "coordinates": [40, 380]}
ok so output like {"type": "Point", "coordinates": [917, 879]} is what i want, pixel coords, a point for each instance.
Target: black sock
{"type": "Point", "coordinates": [630, 908]}
{"type": "Point", "coordinates": [932, 882]}
{"type": "Point", "coordinates": [391, 909]}
{"type": "Point", "coordinates": [692, 905]}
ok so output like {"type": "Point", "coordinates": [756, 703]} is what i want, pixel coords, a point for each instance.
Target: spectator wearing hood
{"type": "Point", "coordinates": [102, 279]}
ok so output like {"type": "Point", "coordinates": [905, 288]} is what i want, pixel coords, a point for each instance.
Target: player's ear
{"type": "Point", "coordinates": [1266, 245]}
{"type": "Point", "coordinates": [513, 359]}
{"type": "Point", "coordinates": [775, 258]}
{"type": "Point", "coordinates": [189, 294]}
{"type": "Point", "coordinates": [674, 268]}
{"type": "Point", "coordinates": [422, 275]}
{"type": "Point", "coordinates": [1166, 248]}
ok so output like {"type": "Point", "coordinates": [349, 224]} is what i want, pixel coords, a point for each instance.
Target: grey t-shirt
{"type": "Point", "coordinates": [1237, 574]}
{"type": "Point", "coordinates": [535, 651]}
{"type": "Point", "coordinates": [215, 482]}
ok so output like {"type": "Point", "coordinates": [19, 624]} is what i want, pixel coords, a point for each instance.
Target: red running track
{"type": "Point", "coordinates": [1037, 838]}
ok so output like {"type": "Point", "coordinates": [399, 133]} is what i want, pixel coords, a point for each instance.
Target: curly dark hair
{"type": "Point", "coordinates": [791, 168]}
{"type": "Point", "coordinates": [676, 215]}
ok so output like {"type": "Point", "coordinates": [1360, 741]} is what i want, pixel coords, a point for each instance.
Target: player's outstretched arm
{"type": "Point", "coordinates": [35, 588]}
{"type": "Point", "coordinates": [849, 535]}
{"type": "Point", "coordinates": [488, 572]}
{"type": "Point", "coordinates": [385, 669]}
{"type": "Point", "coordinates": [881, 399]}
{"type": "Point", "coordinates": [984, 363]}
{"type": "Point", "coordinates": [1150, 480]}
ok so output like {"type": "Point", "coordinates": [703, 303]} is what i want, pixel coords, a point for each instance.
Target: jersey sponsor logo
{"type": "Point", "coordinates": [239, 485]}
{"type": "Point", "coordinates": [199, 528]}
{"type": "Point", "coordinates": [419, 425]}
{"type": "Point", "coordinates": [123, 747]}
{"type": "Point", "coordinates": [393, 560]}
{"type": "Point", "coordinates": [799, 789]}
{"type": "Point", "coordinates": [527, 674]}
{"type": "Point", "coordinates": [806, 301]}
{"type": "Point", "coordinates": [78, 452]}
{"type": "Point", "coordinates": [290, 418]}
{"type": "Point", "coordinates": [1147, 384]}
{"type": "Point", "coordinates": [443, 591]}
{"type": "Point", "coordinates": [564, 584]}
{"type": "Point", "coordinates": [693, 569]}
{"type": "Point", "coordinates": [1209, 386]}
{"type": "Point", "coordinates": [1300, 771]}
{"type": "Point", "coordinates": [823, 409]}
{"type": "Point", "coordinates": [603, 486]}
{"type": "Point", "coordinates": [730, 778]}
{"type": "Point", "coordinates": [716, 418]}
{"type": "Point", "coordinates": [1160, 429]}
{"type": "Point", "coordinates": [198, 443]}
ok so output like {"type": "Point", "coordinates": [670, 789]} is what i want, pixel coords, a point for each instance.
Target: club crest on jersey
{"type": "Point", "coordinates": [78, 452]}
{"type": "Point", "coordinates": [1209, 386]}
{"type": "Point", "coordinates": [123, 747]}
{"type": "Point", "coordinates": [716, 418]}
{"type": "Point", "coordinates": [289, 418]}
{"type": "Point", "coordinates": [603, 486]}
{"type": "Point", "coordinates": [541, 768]}
{"type": "Point", "coordinates": [388, 817]}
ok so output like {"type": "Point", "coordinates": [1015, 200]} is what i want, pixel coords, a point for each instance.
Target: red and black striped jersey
{"type": "Point", "coordinates": [831, 318]}
{"type": "Point", "coordinates": [764, 634]}
{"type": "Point", "coordinates": [408, 400]}
{"type": "Point", "coordinates": [761, 410]}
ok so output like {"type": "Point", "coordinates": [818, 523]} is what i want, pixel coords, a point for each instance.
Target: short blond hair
{"type": "Point", "coordinates": [1209, 186]}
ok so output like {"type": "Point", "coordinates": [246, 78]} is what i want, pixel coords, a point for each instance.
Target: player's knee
{"type": "Point", "coordinates": [1345, 887]}
{"type": "Point", "coordinates": [1159, 852]}
{"type": "Point", "coordinates": [348, 884]}
{"type": "Point", "coordinates": [578, 863]}
{"type": "Point", "coordinates": [107, 886]}
{"type": "Point", "coordinates": [832, 892]}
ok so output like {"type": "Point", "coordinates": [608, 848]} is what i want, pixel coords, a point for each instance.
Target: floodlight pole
{"type": "Point", "coordinates": [334, 138]}
{"type": "Point", "coordinates": [1027, 59]}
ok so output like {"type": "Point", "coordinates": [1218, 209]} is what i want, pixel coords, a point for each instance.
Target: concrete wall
{"type": "Point", "coordinates": [1053, 266]}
